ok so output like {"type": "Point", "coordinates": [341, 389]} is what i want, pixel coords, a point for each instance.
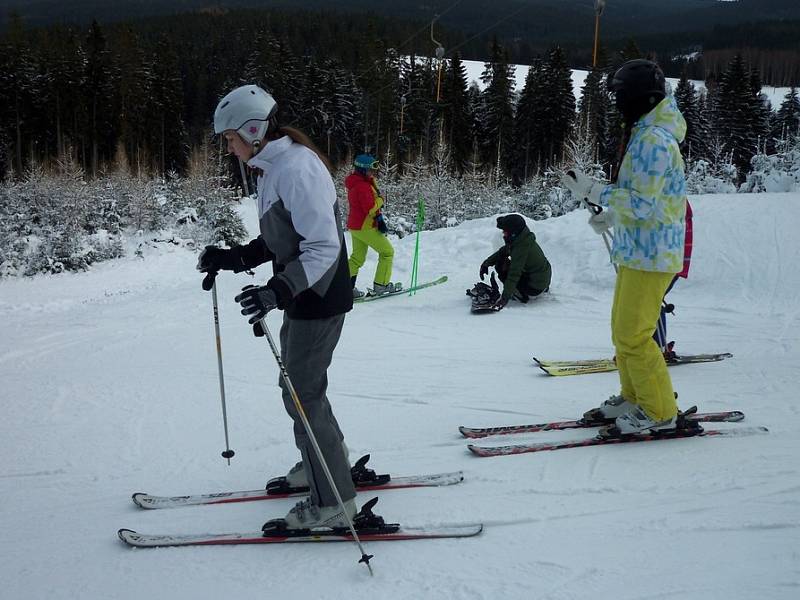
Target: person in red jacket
{"type": "Point", "coordinates": [660, 335]}
{"type": "Point", "coordinates": [368, 227]}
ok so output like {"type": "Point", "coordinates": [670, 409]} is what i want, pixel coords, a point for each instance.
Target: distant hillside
{"type": "Point", "coordinates": [545, 21]}
{"type": "Point", "coordinates": [768, 30]}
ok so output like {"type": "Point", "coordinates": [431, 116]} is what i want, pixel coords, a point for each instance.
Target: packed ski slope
{"type": "Point", "coordinates": [109, 387]}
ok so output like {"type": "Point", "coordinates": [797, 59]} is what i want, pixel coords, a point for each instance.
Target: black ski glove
{"type": "Point", "coordinates": [256, 302]}
{"type": "Point", "coordinates": [380, 221]}
{"type": "Point", "coordinates": [484, 270]}
{"type": "Point", "coordinates": [499, 305]}
{"type": "Point", "coordinates": [216, 259]}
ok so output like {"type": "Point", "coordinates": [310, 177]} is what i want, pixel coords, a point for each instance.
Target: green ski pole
{"type": "Point", "coordinates": [415, 264]}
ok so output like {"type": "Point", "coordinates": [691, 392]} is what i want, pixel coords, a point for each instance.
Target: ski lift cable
{"type": "Point", "coordinates": [425, 28]}
{"type": "Point", "coordinates": [452, 50]}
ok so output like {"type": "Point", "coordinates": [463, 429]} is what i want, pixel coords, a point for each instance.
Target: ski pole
{"type": "Point", "coordinates": [307, 426]}
{"type": "Point", "coordinates": [210, 281]}
{"type": "Point", "coordinates": [596, 209]}
{"type": "Point", "coordinates": [415, 264]}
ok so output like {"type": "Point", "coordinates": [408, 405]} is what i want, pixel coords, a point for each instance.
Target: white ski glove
{"type": "Point", "coordinates": [583, 187]}
{"type": "Point", "coordinates": [601, 222]}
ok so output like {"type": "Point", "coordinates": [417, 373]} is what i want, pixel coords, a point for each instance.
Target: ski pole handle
{"type": "Point", "coordinates": [209, 279]}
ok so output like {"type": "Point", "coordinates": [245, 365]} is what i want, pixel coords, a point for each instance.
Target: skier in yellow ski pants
{"type": "Point", "coordinates": [642, 371]}
{"type": "Point", "coordinates": [646, 207]}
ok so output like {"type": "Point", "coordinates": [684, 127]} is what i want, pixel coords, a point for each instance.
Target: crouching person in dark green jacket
{"type": "Point", "coordinates": [520, 263]}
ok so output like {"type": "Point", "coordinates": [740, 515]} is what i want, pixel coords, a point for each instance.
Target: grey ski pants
{"type": "Point", "coordinates": [307, 347]}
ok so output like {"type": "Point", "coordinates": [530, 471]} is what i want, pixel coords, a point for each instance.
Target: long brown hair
{"type": "Point", "coordinates": [302, 139]}
{"type": "Point", "coordinates": [623, 146]}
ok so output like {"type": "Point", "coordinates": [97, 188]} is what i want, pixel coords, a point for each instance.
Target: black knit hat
{"type": "Point", "coordinates": [513, 223]}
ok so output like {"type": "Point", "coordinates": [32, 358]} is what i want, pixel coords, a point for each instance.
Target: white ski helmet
{"type": "Point", "coordinates": [247, 110]}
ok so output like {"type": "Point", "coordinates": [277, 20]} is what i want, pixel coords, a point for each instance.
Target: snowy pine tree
{"type": "Point", "coordinates": [593, 111]}
{"type": "Point", "coordinates": [694, 145]}
{"type": "Point", "coordinates": [458, 118]}
{"type": "Point", "coordinates": [498, 112]}
{"type": "Point", "coordinates": [787, 119]}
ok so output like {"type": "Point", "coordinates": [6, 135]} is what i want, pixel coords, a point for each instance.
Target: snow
{"type": "Point", "coordinates": [109, 387]}
{"type": "Point", "coordinates": [474, 69]}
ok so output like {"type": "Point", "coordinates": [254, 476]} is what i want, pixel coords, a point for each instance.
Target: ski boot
{"type": "Point", "coordinates": [379, 289]}
{"type": "Point", "coordinates": [305, 516]}
{"type": "Point", "coordinates": [295, 480]}
{"type": "Point", "coordinates": [357, 293]}
{"type": "Point", "coordinates": [669, 354]}
{"type": "Point", "coordinates": [608, 411]}
{"type": "Point", "coordinates": [637, 422]}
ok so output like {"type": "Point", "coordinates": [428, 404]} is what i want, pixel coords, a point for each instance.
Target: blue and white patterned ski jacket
{"type": "Point", "coordinates": [648, 201]}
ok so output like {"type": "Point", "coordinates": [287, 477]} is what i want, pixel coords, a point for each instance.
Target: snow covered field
{"type": "Point", "coordinates": [109, 386]}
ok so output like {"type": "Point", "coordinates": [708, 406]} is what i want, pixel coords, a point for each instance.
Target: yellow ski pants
{"type": "Point", "coordinates": [643, 373]}
{"type": "Point", "coordinates": [371, 238]}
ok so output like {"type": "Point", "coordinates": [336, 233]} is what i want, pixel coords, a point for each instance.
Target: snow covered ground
{"type": "Point", "coordinates": [109, 386]}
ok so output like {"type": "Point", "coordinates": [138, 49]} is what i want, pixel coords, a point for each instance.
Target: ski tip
{"type": "Point", "coordinates": [125, 535]}
{"type": "Point", "coordinates": [137, 500]}
{"type": "Point", "coordinates": [476, 450]}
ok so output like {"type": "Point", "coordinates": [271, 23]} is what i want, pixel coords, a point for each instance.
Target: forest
{"type": "Point", "coordinates": [132, 101]}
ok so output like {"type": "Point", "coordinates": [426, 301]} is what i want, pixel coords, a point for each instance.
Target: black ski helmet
{"type": "Point", "coordinates": [513, 224]}
{"type": "Point", "coordinates": [638, 85]}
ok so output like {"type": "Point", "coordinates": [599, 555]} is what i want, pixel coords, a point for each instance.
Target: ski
{"type": "Point", "coordinates": [605, 365]}
{"type": "Point", "coordinates": [369, 526]}
{"type": "Point", "coordinates": [421, 286]}
{"type": "Point", "coordinates": [599, 441]}
{"type": "Point", "coordinates": [730, 416]}
{"type": "Point", "coordinates": [143, 500]}
{"type": "Point", "coordinates": [142, 540]}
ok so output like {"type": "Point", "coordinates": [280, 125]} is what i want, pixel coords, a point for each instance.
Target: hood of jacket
{"type": "Point", "coordinates": [666, 116]}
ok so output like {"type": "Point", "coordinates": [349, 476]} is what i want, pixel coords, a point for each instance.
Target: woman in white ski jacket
{"type": "Point", "coordinates": [301, 235]}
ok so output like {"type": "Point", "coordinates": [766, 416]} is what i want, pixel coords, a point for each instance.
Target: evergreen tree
{"type": "Point", "coordinates": [171, 144]}
{"type": "Point", "coordinates": [558, 105]}
{"type": "Point", "coordinates": [593, 109]}
{"type": "Point", "coordinates": [18, 90]}
{"type": "Point", "coordinates": [498, 116]}
{"type": "Point", "coordinates": [65, 67]}
{"type": "Point", "coordinates": [98, 93]}
{"type": "Point", "coordinates": [477, 106]}
{"type": "Point", "coordinates": [736, 123]}
{"type": "Point", "coordinates": [529, 123]}
{"type": "Point", "coordinates": [630, 51]}
{"type": "Point", "coordinates": [457, 114]}
{"type": "Point", "coordinates": [694, 145]}
{"type": "Point", "coordinates": [134, 90]}
{"type": "Point", "coordinates": [787, 120]}
{"type": "Point", "coordinates": [762, 115]}
{"type": "Point", "coordinates": [416, 86]}
{"type": "Point", "coordinates": [342, 109]}
{"type": "Point", "coordinates": [313, 117]}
